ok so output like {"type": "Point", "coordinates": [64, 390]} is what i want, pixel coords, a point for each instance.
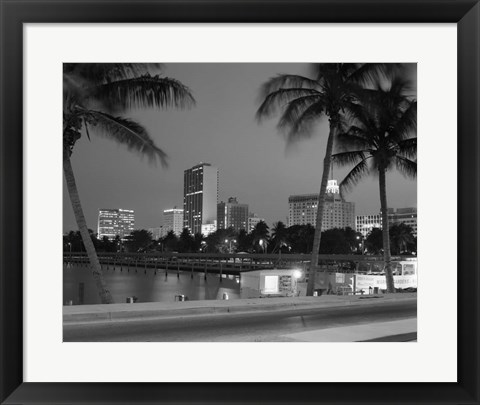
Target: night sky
{"type": "Point", "coordinates": [254, 164]}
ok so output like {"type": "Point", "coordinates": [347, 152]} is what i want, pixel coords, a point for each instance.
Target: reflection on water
{"type": "Point", "coordinates": [145, 285]}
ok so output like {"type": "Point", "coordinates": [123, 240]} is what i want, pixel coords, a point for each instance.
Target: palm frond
{"type": "Point", "coordinates": [407, 148]}
{"type": "Point", "coordinates": [126, 132]}
{"type": "Point", "coordinates": [282, 81]}
{"type": "Point", "coordinates": [302, 126]}
{"type": "Point", "coordinates": [406, 166]}
{"type": "Point", "coordinates": [85, 124]}
{"type": "Point", "coordinates": [296, 108]}
{"type": "Point", "coordinates": [399, 85]}
{"type": "Point", "coordinates": [369, 73]}
{"type": "Point", "coordinates": [353, 138]}
{"type": "Point", "coordinates": [144, 91]}
{"type": "Point", "coordinates": [348, 158]}
{"type": "Point", "coordinates": [407, 123]}
{"type": "Point", "coordinates": [355, 175]}
{"type": "Point", "coordinates": [362, 114]}
{"type": "Point", "coordinates": [101, 73]}
{"type": "Point", "coordinates": [278, 99]}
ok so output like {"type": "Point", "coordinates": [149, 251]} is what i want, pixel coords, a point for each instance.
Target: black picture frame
{"type": "Point", "coordinates": [14, 13]}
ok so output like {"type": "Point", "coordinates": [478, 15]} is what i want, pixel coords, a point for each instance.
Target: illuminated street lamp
{"type": "Point", "coordinates": [230, 244]}
{"type": "Point", "coordinates": [297, 274]}
{"type": "Point", "coordinates": [263, 244]}
{"type": "Point", "coordinates": [360, 238]}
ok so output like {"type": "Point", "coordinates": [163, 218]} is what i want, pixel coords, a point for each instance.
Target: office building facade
{"type": "Point", "coordinates": [115, 221]}
{"type": "Point", "coordinates": [158, 232]}
{"type": "Point", "coordinates": [365, 223]}
{"type": "Point", "coordinates": [253, 220]}
{"type": "Point", "coordinates": [408, 216]}
{"type": "Point", "coordinates": [337, 213]}
{"type": "Point", "coordinates": [173, 220]}
{"type": "Point", "coordinates": [209, 228]}
{"type": "Point", "coordinates": [231, 214]}
{"type": "Point", "coordinates": [200, 196]}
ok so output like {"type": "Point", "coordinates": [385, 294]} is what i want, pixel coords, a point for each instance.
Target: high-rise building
{"type": "Point", "coordinates": [253, 220]}
{"type": "Point", "coordinates": [408, 216]}
{"type": "Point", "coordinates": [200, 196]}
{"type": "Point", "coordinates": [337, 213]}
{"type": "Point", "coordinates": [115, 221]}
{"type": "Point", "coordinates": [173, 220]}
{"type": "Point", "coordinates": [231, 214]}
{"type": "Point", "coordinates": [365, 223]}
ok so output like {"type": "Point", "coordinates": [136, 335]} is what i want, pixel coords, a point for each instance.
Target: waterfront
{"type": "Point", "coordinates": [145, 285]}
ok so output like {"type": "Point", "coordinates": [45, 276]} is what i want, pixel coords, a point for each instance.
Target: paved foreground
{"type": "Point", "coordinates": [347, 320]}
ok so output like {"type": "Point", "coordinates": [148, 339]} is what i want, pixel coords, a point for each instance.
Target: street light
{"type": "Point", "coordinates": [361, 242]}
{"type": "Point", "coordinates": [230, 245]}
{"type": "Point", "coordinates": [263, 244]}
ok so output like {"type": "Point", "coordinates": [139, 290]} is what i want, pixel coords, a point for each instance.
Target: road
{"type": "Point", "coordinates": [261, 326]}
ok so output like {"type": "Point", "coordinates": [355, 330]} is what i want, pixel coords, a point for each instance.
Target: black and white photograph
{"type": "Point", "coordinates": [240, 202]}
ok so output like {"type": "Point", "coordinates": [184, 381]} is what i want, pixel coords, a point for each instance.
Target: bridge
{"type": "Point", "coordinates": [228, 264]}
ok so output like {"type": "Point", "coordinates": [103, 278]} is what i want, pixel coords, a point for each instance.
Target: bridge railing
{"type": "Point", "coordinates": [233, 261]}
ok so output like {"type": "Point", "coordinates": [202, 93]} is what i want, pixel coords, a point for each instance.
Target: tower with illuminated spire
{"type": "Point", "coordinates": [337, 213]}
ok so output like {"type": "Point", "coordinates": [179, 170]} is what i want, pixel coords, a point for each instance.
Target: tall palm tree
{"type": "Point", "coordinates": [303, 101]}
{"type": "Point", "coordinates": [279, 236]}
{"type": "Point", "coordinates": [94, 94]}
{"type": "Point", "coordinates": [380, 135]}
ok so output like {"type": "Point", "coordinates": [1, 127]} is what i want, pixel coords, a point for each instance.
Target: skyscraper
{"type": "Point", "coordinates": [173, 220]}
{"type": "Point", "coordinates": [337, 213]}
{"type": "Point", "coordinates": [115, 221]}
{"type": "Point", "coordinates": [232, 214]}
{"type": "Point", "coordinates": [200, 196]}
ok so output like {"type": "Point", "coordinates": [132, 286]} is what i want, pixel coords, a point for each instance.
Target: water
{"type": "Point", "coordinates": [146, 287]}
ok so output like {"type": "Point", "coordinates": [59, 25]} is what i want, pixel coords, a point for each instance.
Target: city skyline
{"type": "Point", "coordinates": [254, 163]}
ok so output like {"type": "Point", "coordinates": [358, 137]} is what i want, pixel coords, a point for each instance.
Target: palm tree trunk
{"type": "Point", "coordinates": [321, 202]}
{"type": "Point", "coordinates": [385, 227]}
{"type": "Point", "coordinates": [103, 291]}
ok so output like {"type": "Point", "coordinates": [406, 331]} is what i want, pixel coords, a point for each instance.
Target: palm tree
{"type": "Point", "coordinates": [380, 135]}
{"type": "Point", "coordinates": [94, 95]}
{"type": "Point", "coordinates": [401, 237]}
{"type": "Point", "coordinates": [279, 236]}
{"type": "Point", "coordinates": [260, 235]}
{"type": "Point", "coordinates": [303, 101]}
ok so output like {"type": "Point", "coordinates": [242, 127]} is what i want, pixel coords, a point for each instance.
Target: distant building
{"type": "Point", "coordinates": [337, 213]}
{"type": "Point", "coordinates": [200, 196]}
{"type": "Point", "coordinates": [158, 232]}
{"type": "Point", "coordinates": [231, 214]}
{"type": "Point", "coordinates": [207, 229]}
{"type": "Point", "coordinates": [365, 223]}
{"type": "Point", "coordinates": [115, 221]}
{"type": "Point", "coordinates": [253, 220]}
{"type": "Point", "coordinates": [173, 220]}
{"type": "Point", "coordinates": [408, 216]}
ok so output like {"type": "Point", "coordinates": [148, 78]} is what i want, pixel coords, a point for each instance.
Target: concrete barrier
{"type": "Point", "coordinates": [139, 311]}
